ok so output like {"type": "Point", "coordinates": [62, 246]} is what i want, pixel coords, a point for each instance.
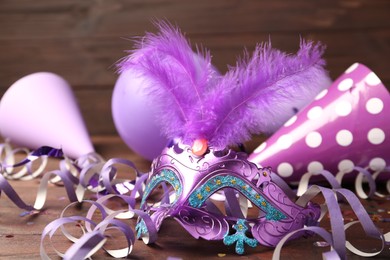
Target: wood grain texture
{"type": "Point", "coordinates": [82, 40]}
{"type": "Point", "coordinates": [20, 235]}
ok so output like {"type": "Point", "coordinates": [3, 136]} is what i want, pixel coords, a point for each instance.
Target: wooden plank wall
{"type": "Point", "coordinates": [81, 40]}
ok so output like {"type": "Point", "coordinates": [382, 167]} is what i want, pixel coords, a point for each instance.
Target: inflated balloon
{"type": "Point", "coordinates": [134, 117]}
{"type": "Point", "coordinates": [40, 109]}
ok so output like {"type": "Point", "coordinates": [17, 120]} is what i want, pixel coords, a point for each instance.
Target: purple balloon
{"type": "Point", "coordinates": [134, 117]}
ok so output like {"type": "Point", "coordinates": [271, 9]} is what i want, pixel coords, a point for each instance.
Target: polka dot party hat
{"type": "Point", "coordinates": [346, 125]}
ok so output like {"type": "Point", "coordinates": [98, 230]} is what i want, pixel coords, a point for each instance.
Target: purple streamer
{"type": "Point", "coordinates": [232, 204]}
{"type": "Point", "coordinates": [82, 249]}
{"type": "Point", "coordinates": [331, 255]}
{"type": "Point", "coordinates": [336, 222]}
{"type": "Point", "coordinates": [12, 195]}
{"type": "Point", "coordinates": [369, 178]}
{"type": "Point", "coordinates": [108, 172]}
{"type": "Point", "coordinates": [104, 174]}
{"type": "Point", "coordinates": [42, 151]}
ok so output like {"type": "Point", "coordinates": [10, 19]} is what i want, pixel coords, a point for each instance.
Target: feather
{"type": "Point", "coordinates": [256, 96]}
{"type": "Point", "coordinates": [262, 92]}
{"type": "Point", "coordinates": [175, 77]}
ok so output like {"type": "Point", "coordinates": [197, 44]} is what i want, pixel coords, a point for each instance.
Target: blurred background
{"type": "Point", "coordinates": [82, 40]}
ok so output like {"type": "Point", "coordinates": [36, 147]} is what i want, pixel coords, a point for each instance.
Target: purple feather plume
{"type": "Point", "coordinates": [257, 96]}
{"type": "Point", "coordinates": [175, 77]}
{"type": "Point", "coordinates": [262, 92]}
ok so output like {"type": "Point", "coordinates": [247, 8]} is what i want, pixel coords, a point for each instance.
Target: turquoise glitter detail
{"type": "Point", "coordinates": [165, 175]}
{"type": "Point", "coordinates": [141, 228]}
{"type": "Point", "coordinates": [200, 195]}
{"type": "Point", "coordinates": [239, 237]}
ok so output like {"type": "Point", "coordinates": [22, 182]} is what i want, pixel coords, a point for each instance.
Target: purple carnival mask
{"type": "Point", "coordinates": [208, 113]}
{"type": "Point", "coordinates": [194, 179]}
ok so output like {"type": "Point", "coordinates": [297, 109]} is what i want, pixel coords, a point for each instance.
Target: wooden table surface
{"type": "Point", "coordinates": [20, 235]}
{"type": "Point", "coordinates": [81, 40]}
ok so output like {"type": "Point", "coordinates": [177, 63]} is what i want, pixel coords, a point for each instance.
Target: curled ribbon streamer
{"type": "Point", "coordinates": [375, 176]}
{"type": "Point", "coordinates": [63, 174]}
{"type": "Point", "coordinates": [11, 193]}
{"type": "Point", "coordinates": [339, 242]}
{"type": "Point", "coordinates": [88, 227]}
{"type": "Point", "coordinates": [88, 159]}
{"type": "Point", "coordinates": [336, 181]}
{"type": "Point", "coordinates": [125, 229]}
{"type": "Point", "coordinates": [89, 177]}
{"type": "Point", "coordinates": [52, 227]}
{"type": "Point", "coordinates": [88, 245]}
{"type": "Point", "coordinates": [125, 214]}
{"type": "Point", "coordinates": [331, 255]}
{"type": "Point", "coordinates": [364, 174]}
{"type": "Point", "coordinates": [68, 168]}
{"type": "Point", "coordinates": [68, 184]}
{"type": "Point", "coordinates": [109, 172]}
{"type": "Point", "coordinates": [336, 239]}
{"type": "Point", "coordinates": [336, 222]}
{"type": "Point", "coordinates": [305, 180]}
{"type": "Point", "coordinates": [385, 240]}
{"type": "Point", "coordinates": [109, 222]}
{"type": "Point", "coordinates": [5, 152]}
{"type": "Point", "coordinates": [76, 176]}
{"type": "Point", "coordinates": [93, 239]}
{"type": "Point", "coordinates": [150, 236]}
{"type": "Point", "coordinates": [8, 158]}
{"type": "Point", "coordinates": [92, 173]}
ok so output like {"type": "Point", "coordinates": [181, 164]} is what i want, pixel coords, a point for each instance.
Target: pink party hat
{"type": "Point", "coordinates": [345, 126]}
{"type": "Point", "coordinates": [41, 109]}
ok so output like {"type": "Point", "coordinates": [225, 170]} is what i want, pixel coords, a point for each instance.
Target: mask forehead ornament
{"type": "Point", "coordinates": [204, 113]}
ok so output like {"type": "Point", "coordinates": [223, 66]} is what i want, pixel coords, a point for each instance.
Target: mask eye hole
{"type": "Point", "coordinates": [164, 188]}
{"type": "Point", "coordinates": [162, 195]}
{"type": "Point", "coordinates": [239, 194]}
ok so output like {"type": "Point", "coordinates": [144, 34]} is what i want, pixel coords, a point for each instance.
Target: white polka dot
{"type": "Point", "coordinates": [285, 169]}
{"type": "Point", "coordinates": [291, 121]}
{"type": "Point", "coordinates": [314, 113]}
{"type": "Point", "coordinates": [321, 94]}
{"type": "Point", "coordinates": [346, 166]}
{"type": "Point", "coordinates": [260, 148]}
{"type": "Point", "coordinates": [345, 84]}
{"type": "Point", "coordinates": [344, 137]}
{"type": "Point", "coordinates": [343, 108]}
{"type": "Point", "coordinates": [374, 105]}
{"type": "Point", "coordinates": [372, 79]}
{"type": "Point", "coordinates": [313, 139]}
{"type": "Point", "coordinates": [315, 167]}
{"type": "Point", "coordinates": [284, 142]}
{"type": "Point", "coordinates": [376, 136]}
{"type": "Point", "coordinates": [352, 68]}
{"type": "Point", "coordinates": [377, 164]}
